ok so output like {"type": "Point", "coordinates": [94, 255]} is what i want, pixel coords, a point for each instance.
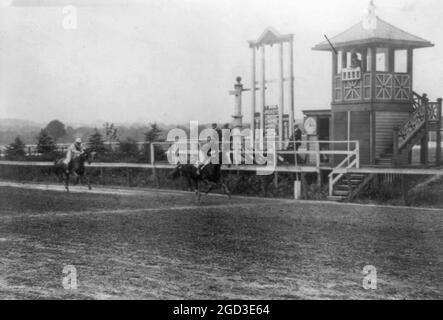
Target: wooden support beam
{"type": "Point", "coordinates": [344, 59]}
{"type": "Point", "coordinates": [304, 186]}
{"type": "Point", "coordinates": [319, 179]}
{"type": "Point", "coordinates": [404, 190]}
{"type": "Point", "coordinates": [281, 97]}
{"type": "Point", "coordinates": [364, 60]}
{"type": "Point", "coordinates": [291, 86]}
{"type": "Point", "coordinates": [410, 66]}
{"type": "Point", "coordinates": [438, 144]}
{"type": "Point", "coordinates": [276, 180]}
{"type": "Point", "coordinates": [391, 59]}
{"type": "Point", "coordinates": [373, 71]}
{"type": "Point", "coordinates": [253, 94]}
{"type": "Point", "coordinates": [263, 88]}
{"type": "Point", "coordinates": [424, 147]}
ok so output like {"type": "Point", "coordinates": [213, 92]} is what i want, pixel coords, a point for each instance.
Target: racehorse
{"type": "Point", "coordinates": [210, 174]}
{"type": "Point", "coordinates": [76, 166]}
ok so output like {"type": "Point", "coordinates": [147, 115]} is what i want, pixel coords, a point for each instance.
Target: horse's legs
{"type": "Point", "coordinates": [83, 178]}
{"type": "Point", "coordinates": [211, 186]}
{"type": "Point", "coordinates": [77, 179]}
{"type": "Point", "coordinates": [67, 182]}
{"type": "Point", "coordinates": [189, 183]}
{"type": "Point", "coordinates": [197, 192]}
{"type": "Point", "coordinates": [226, 190]}
{"type": "Point", "coordinates": [88, 182]}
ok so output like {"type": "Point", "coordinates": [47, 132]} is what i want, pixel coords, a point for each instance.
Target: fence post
{"type": "Point", "coordinates": [152, 154]}
{"type": "Point", "coordinates": [304, 186]}
{"type": "Point", "coordinates": [275, 179]}
{"type": "Point", "coordinates": [317, 155]}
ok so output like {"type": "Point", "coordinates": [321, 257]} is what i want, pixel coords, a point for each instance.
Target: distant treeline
{"type": "Point", "coordinates": [109, 142]}
{"type": "Point", "coordinates": [28, 131]}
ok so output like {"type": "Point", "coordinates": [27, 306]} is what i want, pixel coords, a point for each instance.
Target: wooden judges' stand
{"type": "Point", "coordinates": [373, 100]}
{"type": "Point", "coordinates": [372, 95]}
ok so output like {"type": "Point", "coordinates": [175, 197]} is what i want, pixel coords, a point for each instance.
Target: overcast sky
{"type": "Point", "coordinates": [175, 61]}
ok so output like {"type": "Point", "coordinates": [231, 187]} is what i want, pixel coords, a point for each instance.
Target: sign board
{"type": "Point", "coordinates": [271, 121]}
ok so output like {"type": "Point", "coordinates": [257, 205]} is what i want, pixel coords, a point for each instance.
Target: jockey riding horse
{"type": "Point", "coordinates": [204, 170]}
{"type": "Point", "coordinates": [76, 156]}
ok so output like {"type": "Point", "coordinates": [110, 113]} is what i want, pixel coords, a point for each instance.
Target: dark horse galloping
{"type": "Point", "coordinates": [210, 174]}
{"type": "Point", "coordinates": [76, 166]}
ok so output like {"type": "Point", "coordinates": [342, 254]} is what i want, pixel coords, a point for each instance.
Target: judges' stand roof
{"type": "Point", "coordinates": [373, 30]}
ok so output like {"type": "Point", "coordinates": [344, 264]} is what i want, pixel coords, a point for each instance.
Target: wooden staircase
{"type": "Point", "coordinates": [426, 117]}
{"type": "Point", "coordinates": [349, 186]}
{"type": "Point", "coordinates": [386, 159]}
{"type": "Point", "coordinates": [345, 185]}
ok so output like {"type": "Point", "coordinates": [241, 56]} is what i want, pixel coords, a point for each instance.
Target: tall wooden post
{"type": "Point", "coordinates": [404, 190]}
{"type": "Point", "coordinates": [291, 86]}
{"type": "Point", "coordinates": [373, 140]}
{"type": "Point", "coordinates": [425, 140]}
{"type": "Point", "coordinates": [410, 67]}
{"type": "Point", "coordinates": [281, 97]}
{"type": "Point", "coordinates": [438, 143]}
{"type": "Point", "coordinates": [253, 91]}
{"type": "Point", "coordinates": [263, 88]}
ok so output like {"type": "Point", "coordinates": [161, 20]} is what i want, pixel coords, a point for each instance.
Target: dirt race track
{"type": "Point", "coordinates": [162, 245]}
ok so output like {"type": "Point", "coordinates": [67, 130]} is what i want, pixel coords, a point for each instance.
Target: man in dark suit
{"type": "Point", "coordinates": [297, 136]}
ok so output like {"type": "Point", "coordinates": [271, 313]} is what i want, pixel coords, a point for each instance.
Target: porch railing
{"type": "Point", "coordinates": [317, 151]}
{"type": "Point", "coordinates": [352, 160]}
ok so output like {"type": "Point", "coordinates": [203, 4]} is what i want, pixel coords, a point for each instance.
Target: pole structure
{"type": "Point", "coordinates": [263, 88]}
{"type": "Point", "coordinates": [253, 92]}
{"type": "Point", "coordinates": [291, 87]}
{"type": "Point", "coordinates": [238, 88]}
{"type": "Point", "coordinates": [281, 97]}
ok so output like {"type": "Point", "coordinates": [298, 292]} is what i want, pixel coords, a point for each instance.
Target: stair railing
{"type": "Point", "coordinates": [418, 119]}
{"type": "Point", "coordinates": [417, 99]}
{"type": "Point", "coordinates": [347, 163]}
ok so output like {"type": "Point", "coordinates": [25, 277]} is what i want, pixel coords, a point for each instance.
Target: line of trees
{"type": "Point", "coordinates": [48, 137]}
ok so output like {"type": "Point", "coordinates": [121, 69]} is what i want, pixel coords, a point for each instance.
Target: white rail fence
{"type": "Point", "coordinates": [312, 156]}
{"type": "Point", "coordinates": [315, 154]}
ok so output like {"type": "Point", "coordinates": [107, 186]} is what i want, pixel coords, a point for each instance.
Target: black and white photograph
{"type": "Point", "coordinates": [239, 151]}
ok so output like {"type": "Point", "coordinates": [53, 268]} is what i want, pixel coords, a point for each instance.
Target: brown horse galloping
{"type": "Point", "coordinates": [76, 166]}
{"type": "Point", "coordinates": [210, 174]}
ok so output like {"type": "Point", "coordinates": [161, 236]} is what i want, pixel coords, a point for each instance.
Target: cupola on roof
{"type": "Point", "coordinates": [373, 30]}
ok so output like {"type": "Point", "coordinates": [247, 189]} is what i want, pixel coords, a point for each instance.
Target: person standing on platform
{"type": "Point", "coordinates": [296, 137]}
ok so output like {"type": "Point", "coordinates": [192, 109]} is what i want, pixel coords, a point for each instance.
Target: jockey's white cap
{"type": "Point", "coordinates": [78, 140]}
